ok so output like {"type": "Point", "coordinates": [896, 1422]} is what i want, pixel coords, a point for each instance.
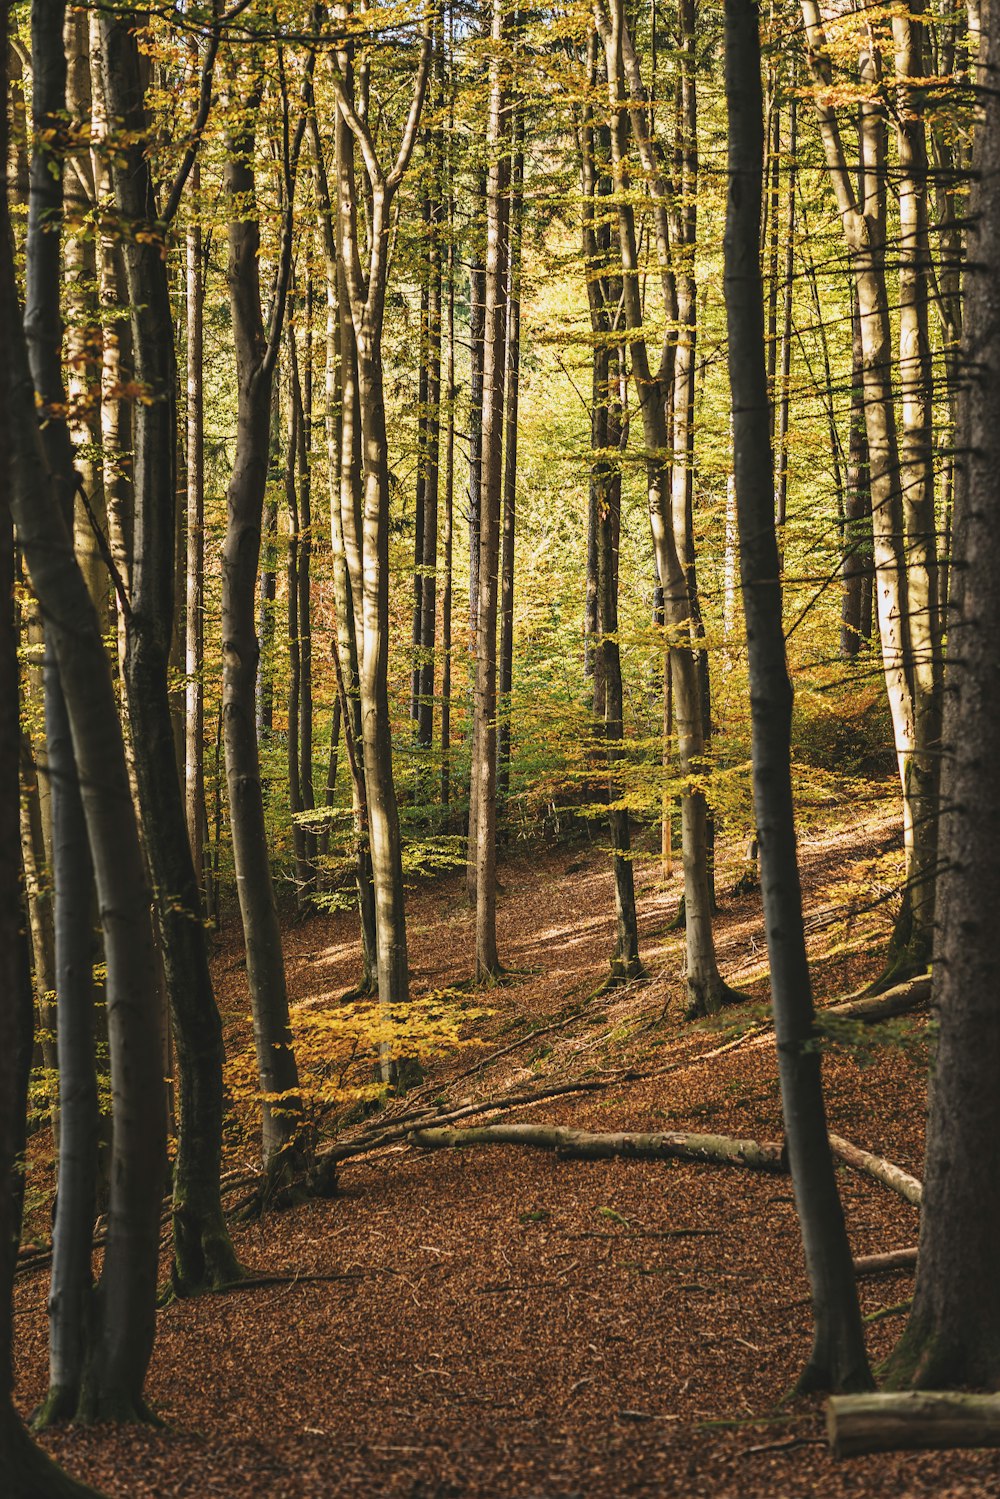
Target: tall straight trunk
{"type": "Point", "coordinates": [296, 803]}
{"type": "Point", "coordinates": [607, 433]}
{"type": "Point", "coordinates": [952, 1337]}
{"type": "Point", "coordinates": [905, 584]}
{"type": "Point", "coordinates": [116, 412]}
{"type": "Point", "coordinates": [366, 295]}
{"type": "Point", "coordinates": [782, 397]}
{"type": "Point", "coordinates": [203, 1254]}
{"type": "Point", "coordinates": [38, 894]}
{"type": "Point", "coordinates": [838, 1360]}
{"type": "Point", "coordinates": [707, 991]}
{"type": "Point", "coordinates": [124, 1308]}
{"type": "Point", "coordinates": [916, 464]}
{"type": "Point", "coordinates": [304, 388]}
{"type": "Point", "coordinates": [256, 356]}
{"type": "Point", "coordinates": [856, 549]}
{"type": "Point", "coordinates": [343, 436]}
{"type": "Point", "coordinates": [510, 453]}
{"type": "Point", "coordinates": [419, 512]}
{"type": "Point", "coordinates": [477, 324]}
{"type": "Point", "coordinates": [82, 325]}
{"type": "Point", "coordinates": [604, 290]}
{"type": "Point", "coordinates": [71, 1289]}
{"type": "Point", "coordinates": [28, 1472]}
{"type": "Point", "coordinates": [448, 528]}
{"type": "Point", "coordinates": [432, 445]}
{"type": "Point", "coordinates": [267, 584]}
{"type": "Point", "coordinates": [194, 652]}
{"type": "Point", "coordinates": [483, 850]}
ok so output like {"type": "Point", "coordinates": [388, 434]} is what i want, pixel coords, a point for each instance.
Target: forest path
{"type": "Point", "coordinates": [511, 1324]}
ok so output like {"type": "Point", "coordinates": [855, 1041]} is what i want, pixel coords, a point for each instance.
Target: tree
{"type": "Point", "coordinates": [203, 1253]}
{"type": "Point", "coordinates": [952, 1336]}
{"type": "Point", "coordinates": [366, 289]}
{"type": "Point", "coordinates": [838, 1360]}
{"type": "Point", "coordinates": [256, 358]}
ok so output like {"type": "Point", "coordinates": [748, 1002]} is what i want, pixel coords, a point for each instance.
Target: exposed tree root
{"type": "Point", "coordinates": [28, 1472]}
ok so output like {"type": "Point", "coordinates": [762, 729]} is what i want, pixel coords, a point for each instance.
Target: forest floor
{"type": "Point", "coordinates": [512, 1324]}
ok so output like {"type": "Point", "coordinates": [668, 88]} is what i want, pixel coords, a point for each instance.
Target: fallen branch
{"type": "Point", "coordinates": [581, 1144]}
{"type": "Point", "coordinates": [911, 1419]}
{"type": "Point", "coordinates": [873, 1165]}
{"type": "Point", "coordinates": [885, 1264]}
{"type": "Point", "coordinates": [900, 1000]}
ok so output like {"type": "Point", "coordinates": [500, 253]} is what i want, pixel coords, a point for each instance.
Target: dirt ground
{"type": "Point", "coordinates": [499, 1322]}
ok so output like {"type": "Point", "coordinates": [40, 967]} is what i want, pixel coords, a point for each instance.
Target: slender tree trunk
{"type": "Point", "coordinates": [477, 325]}
{"type": "Point", "coordinates": [367, 291]}
{"type": "Point", "coordinates": [432, 454]}
{"type": "Point", "coordinates": [510, 453]}
{"type": "Point", "coordinates": [838, 1361]}
{"type": "Point", "coordinates": [343, 433]}
{"type": "Point", "coordinates": [256, 357]}
{"type": "Point", "coordinates": [856, 548]}
{"type": "Point", "coordinates": [905, 586]}
{"type": "Point", "coordinates": [706, 989]}
{"type": "Point", "coordinates": [448, 529]}
{"type": "Point", "coordinates": [194, 654]}
{"type": "Point", "coordinates": [483, 853]}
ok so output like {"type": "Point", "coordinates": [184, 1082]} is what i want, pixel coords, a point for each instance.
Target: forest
{"type": "Point", "coordinates": [500, 675]}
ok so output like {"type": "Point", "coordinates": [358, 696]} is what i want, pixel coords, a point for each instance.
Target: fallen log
{"type": "Point", "coordinates": [873, 1165]}
{"type": "Point", "coordinates": [900, 1000]}
{"type": "Point", "coordinates": [885, 1264]}
{"type": "Point", "coordinates": [911, 1419]}
{"type": "Point", "coordinates": [578, 1144]}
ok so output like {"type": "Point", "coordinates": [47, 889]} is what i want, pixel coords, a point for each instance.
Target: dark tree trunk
{"type": "Point", "coordinates": [71, 1291]}
{"type": "Point", "coordinates": [203, 1254]}
{"type": "Point", "coordinates": [27, 1472]}
{"type": "Point", "coordinates": [952, 1338]}
{"type": "Point", "coordinates": [838, 1360]}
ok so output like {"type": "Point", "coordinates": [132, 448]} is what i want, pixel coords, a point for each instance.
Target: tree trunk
{"type": "Point", "coordinates": [125, 1305]}
{"type": "Point", "coordinates": [952, 1338]}
{"type": "Point", "coordinates": [256, 356]}
{"type": "Point", "coordinates": [510, 454]}
{"type": "Point", "coordinates": [28, 1473]}
{"type": "Point", "coordinates": [194, 653]}
{"type": "Point", "coordinates": [73, 1228]}
{"type": "Point", "coordinates": [838, 1360]}
{"type": "Point", "coordinates": [482, 831]}
{"type": "Point", "coordinates": [707, 991]}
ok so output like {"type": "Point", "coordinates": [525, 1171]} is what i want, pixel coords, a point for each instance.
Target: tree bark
{"type": "Point", "coordinates": [483, 826]}
{"type": "Point", "coordinates": [912, 1421]}
{"type": "Point", "coordinates": [579, 1144]}
{"type": "Point", "coordinates": [838, 1360]}
{"type": "Point", "coordinates": [952, 1338]}
{"type": "Point", "coordinates": [28, 1472]}
{"type": "Point", "coordinates": [203, 1254]}
{"type": "Point", "coordinates": [256, 356]}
